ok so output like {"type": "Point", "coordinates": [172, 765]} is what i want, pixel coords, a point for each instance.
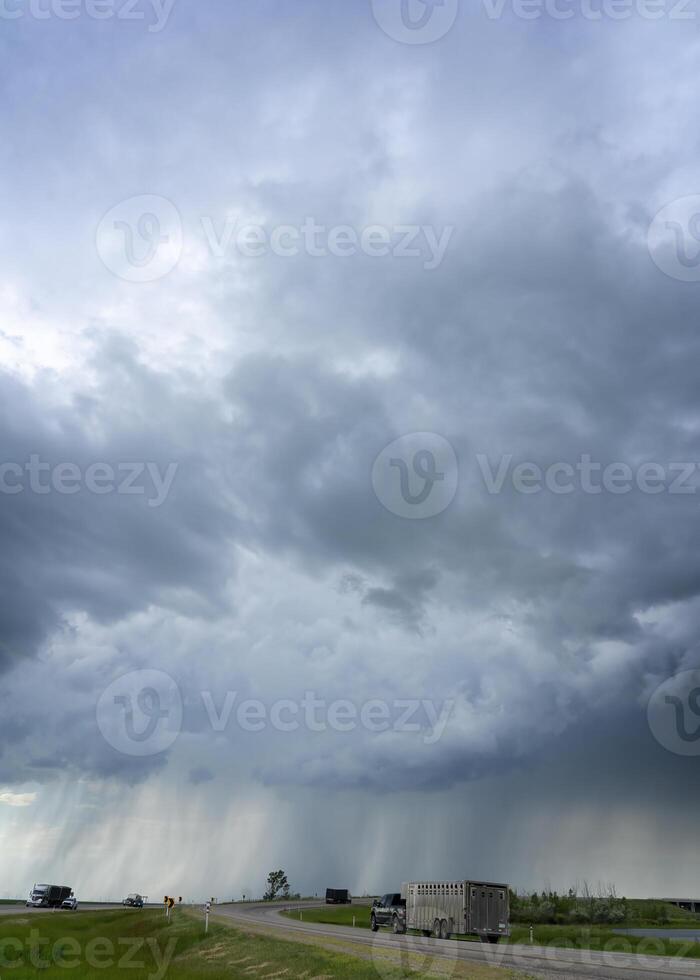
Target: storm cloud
{"type": "Point", "coordinates": [260, 554]}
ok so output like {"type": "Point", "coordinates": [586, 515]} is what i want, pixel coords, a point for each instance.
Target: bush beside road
{"type": "Point", "coordinates": [606, 909]}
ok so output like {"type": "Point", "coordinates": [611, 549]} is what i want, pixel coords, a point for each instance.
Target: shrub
{"type": "Point", "coordinates": [579, 914]}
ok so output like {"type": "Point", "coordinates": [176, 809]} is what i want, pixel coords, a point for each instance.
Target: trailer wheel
{"type": "Point", "coordinates": [444, 930]}
{"type": "Point", "coordinates": [436, 928]}
{"type": "Point", "coordinates": [396, 926]}
{"type": "Point", "coordinates": [373, 924]}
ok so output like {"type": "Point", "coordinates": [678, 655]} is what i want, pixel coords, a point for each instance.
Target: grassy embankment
{"type": "Point", "coordinates": [104, 945]}
{"type": "Point", "coordinates": [600, 937]}
{"type": "Point", "coordinates": [607, 938]}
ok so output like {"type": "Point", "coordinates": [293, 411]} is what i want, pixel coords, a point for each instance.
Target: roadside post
{"type": "Point", "coordinates": [531, 936]}
{"type": "Point", "coordinates": [353, 921]}
{"type": "Point", "coordinates": [207, 907]}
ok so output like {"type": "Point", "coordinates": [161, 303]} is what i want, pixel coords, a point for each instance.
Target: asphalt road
{"type": "Point", "coordinates": [548, 962]}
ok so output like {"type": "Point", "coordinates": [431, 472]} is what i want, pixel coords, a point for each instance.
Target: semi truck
{"type": "Point", "coordinates": [49, 896]}
{"type": "Point", "coordinates": [446, 908]}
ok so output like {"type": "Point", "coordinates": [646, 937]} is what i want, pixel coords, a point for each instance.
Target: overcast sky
{"type": "Point", "coordinates": [289, 293]}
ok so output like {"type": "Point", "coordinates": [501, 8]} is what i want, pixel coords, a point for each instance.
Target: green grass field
{"type": "Point", "coordinates": [576, 937]}
{"type": "Point", "coordinates": [337, 915]}
{"type": "Point", "coordinates": [104, 945]}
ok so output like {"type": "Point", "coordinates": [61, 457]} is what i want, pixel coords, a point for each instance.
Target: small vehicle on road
{"type": "Point", "coordinates": [134, 901]}
{"type": "Point", "coordinates": [338, 896]}
{"type": "Point", "coordinates": [389, 910]}
{"type": "Point", "coordinates": [70, 903]}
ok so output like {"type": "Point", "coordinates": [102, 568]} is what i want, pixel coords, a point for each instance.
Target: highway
{"type": "Point", "coordinates": [547, 962]}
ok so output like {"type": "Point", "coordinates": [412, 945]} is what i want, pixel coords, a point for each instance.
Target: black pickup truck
{"type": "Point", "coordinates": [389, 910]}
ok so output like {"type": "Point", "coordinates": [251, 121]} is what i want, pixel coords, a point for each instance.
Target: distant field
{"type": "Point", "coordinates": [11, 901]}
{"type": "Point", "coordinates": [644, 912]}
{"type": "Point", "coordinates": [102, 945]}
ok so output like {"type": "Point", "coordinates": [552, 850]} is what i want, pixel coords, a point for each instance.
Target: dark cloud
{"type": "Point", "coordinates": [272, 567]}
{"type": "Point", "coordinates": [114, 553]}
